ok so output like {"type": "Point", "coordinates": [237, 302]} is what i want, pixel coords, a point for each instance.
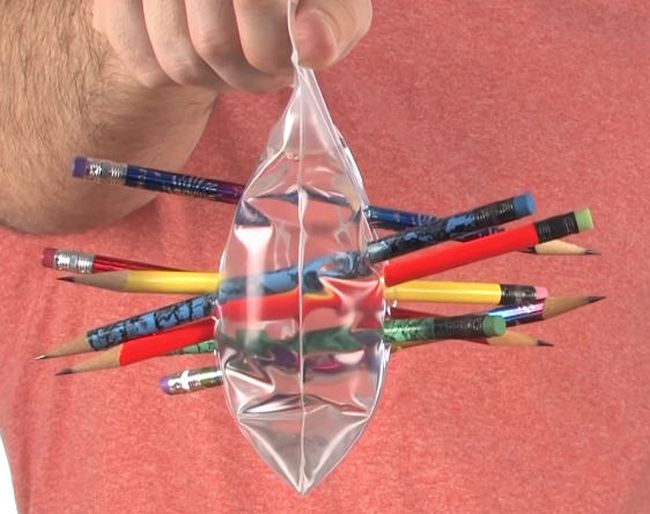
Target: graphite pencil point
{"type": "Point", "coordinates": [65, 371]}
{"type": "Point", "coordinates": [66, 279]}
{"type": "Point", "coordinates": [594, 299]}
{"type": "Point", "coordinates": [591, 251]}
{"type": "Point", "coordinates": [543, 343]}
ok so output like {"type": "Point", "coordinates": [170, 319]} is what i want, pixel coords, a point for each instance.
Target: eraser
{"type": "Point", "coordinates": [164, 385]}
{"type": "Point", "coordinates": [541, 293]}
{"type": "Point", "coordinates": [584, 219]}
{"type": "Point", "coordinates": [79, 167]}
{"type": "Point", "coordinates": [48, 257]}
{"type": "Point", "coordinates": [494, 326]}
{"type": "Point", "coordinates": [524, 205]}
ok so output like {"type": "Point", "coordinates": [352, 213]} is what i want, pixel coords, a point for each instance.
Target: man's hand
{"type": "Point", "coordinates": [66, 90]}
{"type": "Point", "coordinates": [222, 44]}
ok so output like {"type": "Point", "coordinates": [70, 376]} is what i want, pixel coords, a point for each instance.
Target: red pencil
{"type": "Point", "coordinates": [365, 296]}
{"type": "Point", "coordinates": [435, 259]}
{"type": "Point", "coordinates": [80, 262]}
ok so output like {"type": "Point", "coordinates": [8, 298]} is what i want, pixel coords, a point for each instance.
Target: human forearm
{"type": "Point", "coordinates": [62, 93]}
{"type": "Point", "coordinates": [144, 100]}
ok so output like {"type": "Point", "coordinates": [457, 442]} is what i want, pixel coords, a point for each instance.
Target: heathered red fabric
{"type": "Point", "coordinates": [446, 105]}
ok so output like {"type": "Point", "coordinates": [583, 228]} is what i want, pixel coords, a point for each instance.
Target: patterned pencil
{"type": "Point", "coordinates": [131, 175]}
{"type": "Point", "coordinates": [518, 314]}
{"type": "Point", "coordinates": [553, 306]}
{"type": "Point", "coordinates": [136, 326]}
{"type": "Point", "coordinates": [191, 380]}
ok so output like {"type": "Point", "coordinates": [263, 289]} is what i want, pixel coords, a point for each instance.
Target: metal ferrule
{"type": "Point", "coordinates": [516, 294]}
{"type": "Point", "coordinates": [74, 262]}
{"type": "Point", "coordinates": [495, 213]}
{"type": "Point", "coordinates": [106, 172]}
{"type": "Point", "coordinates": [557, 227]}
{"type": "Point", "coordinates": [459, 327]}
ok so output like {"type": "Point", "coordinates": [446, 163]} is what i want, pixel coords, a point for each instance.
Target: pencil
{"type": "Point", "coordinates": [139, 325]}
{"type": "Point", "coordinates": [464, 292]}
{"type": "Point", "coordinates": [435, 260]}
{"type": "Point", "coordinates": [140, 281]}
{"type": "Point", "coordinates": [75, 261]}
{"type": "Point", "coordinates": [192, 380]}
{"type": "Point", "coordinates": [195, 283]}
{"type": "Point", "coordinates": [147, 347]}
{"type": "Point", "coordinates": [130, 175]}
{"type": "Point", "coordinates": [519, 314]}
{"type": "Point", "coordinates": [553, 306]}
{"type": "Point", "coordinates": [509, 338]}
{"type": "Point", "coordinates": [444, 229]}
{"type": "Point", "coordinates": [400, 333]}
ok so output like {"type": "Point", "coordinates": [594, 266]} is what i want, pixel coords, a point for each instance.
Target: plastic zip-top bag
{"type": "Point", "coordinates": [301, 310]}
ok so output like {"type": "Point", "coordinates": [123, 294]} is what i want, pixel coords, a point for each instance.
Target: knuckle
{"type": "Point", "coordinates": [213, 49]}
{"type": "Point", "coordinates": [151, 77]}
{"type": "Point", "coordinates": [260, 87]}
{"type": "Point", "coordinates": [183, 69]}
{"type": "Point", "coordinates": [268, 62]}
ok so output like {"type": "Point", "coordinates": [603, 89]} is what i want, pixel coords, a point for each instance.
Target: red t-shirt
{"type": "Point", "coordinates": [446, 105]}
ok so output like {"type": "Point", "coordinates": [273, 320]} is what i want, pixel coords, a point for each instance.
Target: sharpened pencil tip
{"type": "Point", "coordinates": [543, 343]}
{"type": "Point", "coordinates": [594, 299]}
{"type": "Point", "coordinates": [66, 279]}
{"type": "Point", "coordinates": [591, 251]}
{"type": "Point", "coordinates": [41, 357]}
{"type": "Point", "coordinates": [65, 371]}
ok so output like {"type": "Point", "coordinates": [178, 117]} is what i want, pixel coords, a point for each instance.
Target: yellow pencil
{"type": "Point", "coordinates": [195, 283]}
{"type": "Point", "coordinates": [162, 282]}
{"type": "Point", "coordinates": [464, 292]}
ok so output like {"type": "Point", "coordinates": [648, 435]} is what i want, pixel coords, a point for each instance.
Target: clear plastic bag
{"type": "Point", "coordinates": [301, 311]}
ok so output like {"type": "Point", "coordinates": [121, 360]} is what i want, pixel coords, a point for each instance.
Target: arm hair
{"type": "Point", "coordinates": [62, 93]}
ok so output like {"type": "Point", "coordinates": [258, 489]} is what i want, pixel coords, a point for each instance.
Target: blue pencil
{"type": "Point", "coordinates": [130, 175]}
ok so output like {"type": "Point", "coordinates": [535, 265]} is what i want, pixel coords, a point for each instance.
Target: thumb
{"type": "Point", "coordinates": [326, 30]}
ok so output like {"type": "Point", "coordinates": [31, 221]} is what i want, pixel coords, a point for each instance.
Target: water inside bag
{"type": "Point", "coordinates": [301, 311]}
